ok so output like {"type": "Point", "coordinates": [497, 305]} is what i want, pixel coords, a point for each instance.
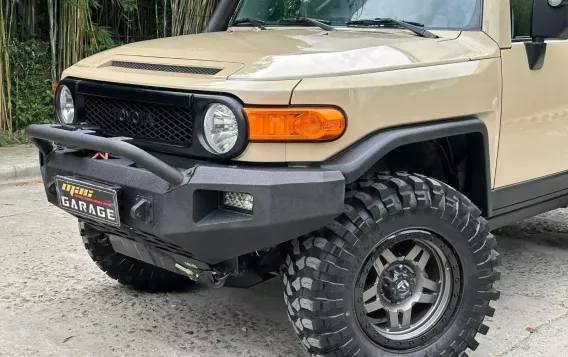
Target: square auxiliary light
{"type": "Point", "coordinates": [238, 200]}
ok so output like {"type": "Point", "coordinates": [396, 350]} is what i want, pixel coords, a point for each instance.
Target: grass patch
{"type": "Point", "coordinates": [13, 139]}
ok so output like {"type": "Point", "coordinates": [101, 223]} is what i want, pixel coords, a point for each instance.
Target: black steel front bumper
{"type": "Point", "coordinates": [184, 215]}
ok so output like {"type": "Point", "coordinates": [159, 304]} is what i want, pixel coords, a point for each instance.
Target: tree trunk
{"type": "Point", "coordinates": [52, 9]}
{"type": "Point", "coordinates": [165, 16]}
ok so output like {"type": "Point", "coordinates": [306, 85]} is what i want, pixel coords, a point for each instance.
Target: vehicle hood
{"type": "Point", "coordinates": [296, 53]}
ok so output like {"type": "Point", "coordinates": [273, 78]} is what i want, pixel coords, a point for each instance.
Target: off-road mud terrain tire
{"type": "Point", "coordinates": [322, 269]}
{"type": "Point", "coordinates": [128, 271]}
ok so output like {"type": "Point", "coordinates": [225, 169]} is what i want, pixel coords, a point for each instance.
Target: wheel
{"type": "Point", "coordinates": [407, 269]}
{"type": "Point", "coordinates": [129, 271]}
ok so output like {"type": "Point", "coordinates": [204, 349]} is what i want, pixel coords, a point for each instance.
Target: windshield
{"type": "Point", "coordinates": [443, 14]}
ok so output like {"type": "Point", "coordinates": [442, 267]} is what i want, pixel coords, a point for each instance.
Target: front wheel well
{"type": "Point", "coordinates": [459, 161]}
{"type": "Point", "coordinates": [454, 151]}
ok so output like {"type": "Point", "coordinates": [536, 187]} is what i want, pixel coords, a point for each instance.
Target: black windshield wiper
{"type": "Point", "coordinates": [305, 20]}
{"type": "Point", "coordinates": [415, 27]}
{"type": "Point", "coordinates": [254, 22]}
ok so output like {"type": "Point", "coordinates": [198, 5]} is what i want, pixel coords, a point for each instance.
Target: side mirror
{"type": "Point", "coordinates": [549, 20]}
{"type": "Point", "coordinates": [557, 3]}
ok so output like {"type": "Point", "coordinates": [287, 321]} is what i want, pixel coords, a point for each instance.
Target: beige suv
{"type": "Point", "coordinates": [362, 149]}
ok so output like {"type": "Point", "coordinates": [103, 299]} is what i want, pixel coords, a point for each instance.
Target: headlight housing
{"type": "Point", "coordinates": [64, 105]}
{"type": "Point", "coordinates": [220, 129]}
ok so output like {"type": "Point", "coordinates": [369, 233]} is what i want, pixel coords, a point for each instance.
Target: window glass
{"type": "Point", "coordinates": [451, 14]}
{"type": "Point", "coordinates": [522, 13]}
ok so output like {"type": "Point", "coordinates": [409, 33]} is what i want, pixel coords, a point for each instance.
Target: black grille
{"type": "Point", "coordinates": [167, 68]}
{"type": "Point", "coordinates": [148, 121]}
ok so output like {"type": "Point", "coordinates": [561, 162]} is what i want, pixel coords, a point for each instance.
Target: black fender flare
{"type": "Point", "coordinates": [363, 155]}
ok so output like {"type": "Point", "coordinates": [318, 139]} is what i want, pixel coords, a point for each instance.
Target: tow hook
{"type": "Point", "coordinates": [211, 278]}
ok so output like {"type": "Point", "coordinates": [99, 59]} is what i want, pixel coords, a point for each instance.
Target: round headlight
{"type": "Point", "coordinates": [220, 128]}
{"type": "Point", "coordinates": [65, 108]}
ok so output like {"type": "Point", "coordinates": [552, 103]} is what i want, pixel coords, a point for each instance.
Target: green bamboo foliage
{"type": "Point", "coordinates": [5, 85]}
{"type": "Point", "coordinates": [184, 21]}
{"type": "Point", "coordinates": [75, 29]}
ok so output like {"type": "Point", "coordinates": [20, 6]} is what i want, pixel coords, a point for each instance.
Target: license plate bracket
{"type": "Point", "coordinates": [88, 199]}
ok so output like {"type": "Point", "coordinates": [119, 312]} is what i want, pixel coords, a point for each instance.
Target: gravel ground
{"type": "Point", "coordinates": [55, 302]}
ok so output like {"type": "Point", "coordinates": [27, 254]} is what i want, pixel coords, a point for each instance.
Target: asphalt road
{"type": "Point", "coordinates": [54, 301]}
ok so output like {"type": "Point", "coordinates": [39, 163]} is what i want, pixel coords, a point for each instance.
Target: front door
{"type": "Point", "coordinates": [534, 124]}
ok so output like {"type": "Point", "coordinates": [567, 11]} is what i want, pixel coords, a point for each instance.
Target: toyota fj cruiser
{"type": "Point", "coordinates": [363, 149]}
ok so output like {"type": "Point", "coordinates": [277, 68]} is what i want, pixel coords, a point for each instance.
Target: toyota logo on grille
{"type": "Point", "coordinates": [134, 117]}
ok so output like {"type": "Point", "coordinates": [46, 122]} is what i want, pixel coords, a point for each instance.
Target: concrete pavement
{"type": "Point", "coordinates": [54, 301]}
{"type": "Point", "coordinates": [18, 164]}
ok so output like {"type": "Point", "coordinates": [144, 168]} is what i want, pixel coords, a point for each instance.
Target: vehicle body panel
{"type": "Point", "coordinates": [398, 98]}
{"type": "Point", "coordinates": [256, 93]}
{"type": "Point", "coordinates": [534, 133]}
{"type": "Point", "coordinates": [497, 21]}
{"type": "Point", "coordinates": [290, 53]}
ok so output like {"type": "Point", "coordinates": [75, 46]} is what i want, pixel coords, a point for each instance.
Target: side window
{"type": "Point", "coordinates": [521, 12]}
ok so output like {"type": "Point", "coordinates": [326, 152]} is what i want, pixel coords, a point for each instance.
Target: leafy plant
{"type": "Point", "coordinates": [522, 9]}
{"type": "Point", "coordinates": [31, 83]}
{"type": "Point", "coordinates": [11, 139]}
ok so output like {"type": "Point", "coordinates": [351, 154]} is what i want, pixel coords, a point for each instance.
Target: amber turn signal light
{"type": "Point", "coordinates": [294, 124]}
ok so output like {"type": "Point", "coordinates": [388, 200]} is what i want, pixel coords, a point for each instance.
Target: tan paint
{"type": "Point", "coordinates": [534, 132]}
{"type": "Point", "coordinates": [388, 99]}
{"type": "Point", "coordinates": [497, 21]}
{"type": "Point", "coordinates": [312, 54]}
{"type": "Point", "coordinates": [227, 68]}
{"type": "Point", "coordinates": [293, 53]}
{"type": "Point", "coordinates": [264, 152]}
{"type": "Point", "coordinates": [258, 93]}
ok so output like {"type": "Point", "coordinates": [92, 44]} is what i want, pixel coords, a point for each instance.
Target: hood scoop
{"type": "Point", "coordinates": [205, 71]}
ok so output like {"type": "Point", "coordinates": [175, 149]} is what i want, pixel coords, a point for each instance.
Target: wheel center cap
{"type": "Point", "coordinates": [398, 283]}
{"type": "Point", "coordinates": [403, 287]}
